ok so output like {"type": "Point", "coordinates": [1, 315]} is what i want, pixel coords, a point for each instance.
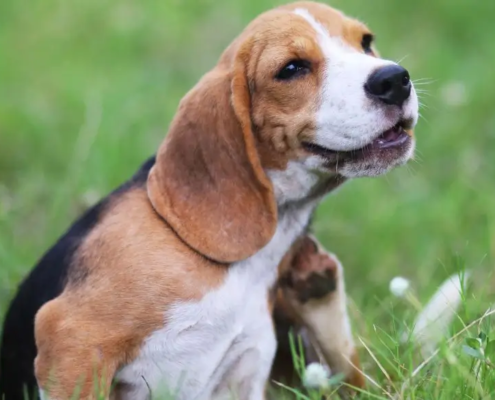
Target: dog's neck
{"type": "Point", "coordinates": [297, 185]}
{"type": "Point", "coordinates": [298, 192]}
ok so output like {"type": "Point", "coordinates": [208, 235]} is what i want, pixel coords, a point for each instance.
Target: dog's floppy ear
{"type": "Point", "coordinates": [208, 182]}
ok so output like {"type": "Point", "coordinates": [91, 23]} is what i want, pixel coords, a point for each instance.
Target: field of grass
{"type": "Point", "coordinates": [88, 87]}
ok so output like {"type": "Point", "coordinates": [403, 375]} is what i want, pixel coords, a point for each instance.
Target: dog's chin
{"type": "Point", "coordinates": [376, 163]}
{"type": "Point", "coordinates": [391, 149]}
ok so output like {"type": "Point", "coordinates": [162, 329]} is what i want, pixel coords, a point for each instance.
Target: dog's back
{"type": "Point", "coordinates": [44, 283]}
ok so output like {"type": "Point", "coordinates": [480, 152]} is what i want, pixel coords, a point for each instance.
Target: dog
{"type": "Point", "coordinates": [164, 286]}
{"type": "Point", "coordinates": [309, 279]}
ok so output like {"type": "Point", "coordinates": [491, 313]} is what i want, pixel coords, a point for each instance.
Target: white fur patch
{"type": "Point", "coordinates": [295, 182]}
{"type": "Point", "coordinates": [225, 342]}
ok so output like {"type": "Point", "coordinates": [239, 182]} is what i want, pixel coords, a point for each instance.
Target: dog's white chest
{"type": "Point", "coordinates": [206, 344]}
{"type": "Point", "coordinates": [223, 342]}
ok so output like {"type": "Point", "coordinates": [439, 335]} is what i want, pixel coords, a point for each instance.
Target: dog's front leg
{"type": "Point", "coordinates": [247, 378]}
{"type": "Point", "coordinates": [75, 358]}
{"type": "Point", "coordinates": [313, 291]}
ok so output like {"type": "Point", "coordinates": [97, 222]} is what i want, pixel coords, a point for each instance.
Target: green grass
{"type": "Point", "coordinates": [88, 88]}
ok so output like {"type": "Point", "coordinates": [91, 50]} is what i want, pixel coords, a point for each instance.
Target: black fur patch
{"type": "Point", "coordinates": [45, 282]}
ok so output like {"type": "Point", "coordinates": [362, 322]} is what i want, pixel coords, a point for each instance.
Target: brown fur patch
{"type": "Point", "coordinates": [356, 377]}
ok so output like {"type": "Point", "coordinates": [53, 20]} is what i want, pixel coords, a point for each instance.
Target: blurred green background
{"type": "Point", "coordinates": [88, 88]}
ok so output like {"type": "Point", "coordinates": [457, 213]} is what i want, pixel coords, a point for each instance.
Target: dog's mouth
{"type": "Point", "coordinates": [393, 138]}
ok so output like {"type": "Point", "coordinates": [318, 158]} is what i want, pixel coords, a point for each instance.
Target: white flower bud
{"type": "Point", "coordinates": [399, 286]}
{"type": "Point", "coordinates": [316, 376]}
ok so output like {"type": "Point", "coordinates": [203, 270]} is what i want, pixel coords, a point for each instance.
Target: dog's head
{"type": "Point", "coordinates": [301, 88]}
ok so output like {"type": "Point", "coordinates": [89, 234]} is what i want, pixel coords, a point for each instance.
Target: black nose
{"type": "Point", "coordinates": [390, 84]}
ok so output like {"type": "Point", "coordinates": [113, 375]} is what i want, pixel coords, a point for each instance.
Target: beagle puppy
{"type": "Point", "coordinates": [164, 287]}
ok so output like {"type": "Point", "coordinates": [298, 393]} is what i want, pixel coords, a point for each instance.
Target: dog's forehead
{"type": "Point", "coordinates": [331, 20]}
{"type": "Point", "coordinates": [288, 24]}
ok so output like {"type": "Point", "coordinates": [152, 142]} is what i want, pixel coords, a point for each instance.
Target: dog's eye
{"type": "Point", "coordinates": [293, 69]}
{"type": "Point", "coordinates": [366, 42]}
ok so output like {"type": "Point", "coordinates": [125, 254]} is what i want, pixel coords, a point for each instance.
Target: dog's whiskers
{"type": "Point", "coordinates": [402, 59]}
{"type": "Point", "coordinates": [423, 81]}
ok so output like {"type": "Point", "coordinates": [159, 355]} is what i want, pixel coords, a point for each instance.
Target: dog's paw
{"type": "Point", "coordinates": [313, 273]}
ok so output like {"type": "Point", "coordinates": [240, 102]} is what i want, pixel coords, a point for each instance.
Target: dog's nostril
{"type": "Point", "coordinates": [390, 84]}
{"type": "Point", "coordinates": [386, 87]}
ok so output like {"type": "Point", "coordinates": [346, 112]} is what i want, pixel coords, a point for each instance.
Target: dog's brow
{"type": "Point", "coordinates": [312, 21]}
{"type": "Point", "coordinates": [327, 43]}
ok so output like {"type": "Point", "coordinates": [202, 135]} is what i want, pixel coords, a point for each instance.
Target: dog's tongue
{"type": "Point", "coordinates": [391, 134]}
{"type": "Point", "coordinates": [391, 137]}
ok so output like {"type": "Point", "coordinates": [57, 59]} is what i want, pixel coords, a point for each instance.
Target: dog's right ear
{"type": "Point", "coordinates": [208, 182]}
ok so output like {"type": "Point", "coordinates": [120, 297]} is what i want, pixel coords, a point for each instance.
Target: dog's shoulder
{"type": "Point", "coordinates": [75, 244]}
{"type": "Point", "coordinates": [54, 267]}
{"type": "Point", "coordinates": [137, 248]}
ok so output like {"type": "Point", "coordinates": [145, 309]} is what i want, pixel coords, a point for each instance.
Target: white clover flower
{"type": "Point", "coordinates": [399, 286]}
{"type": "Point", "coordinates": [316, 376]}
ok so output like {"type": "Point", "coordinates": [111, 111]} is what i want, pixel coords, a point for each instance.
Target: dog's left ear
{"type": "Point", "coordinates": [208, 183]}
